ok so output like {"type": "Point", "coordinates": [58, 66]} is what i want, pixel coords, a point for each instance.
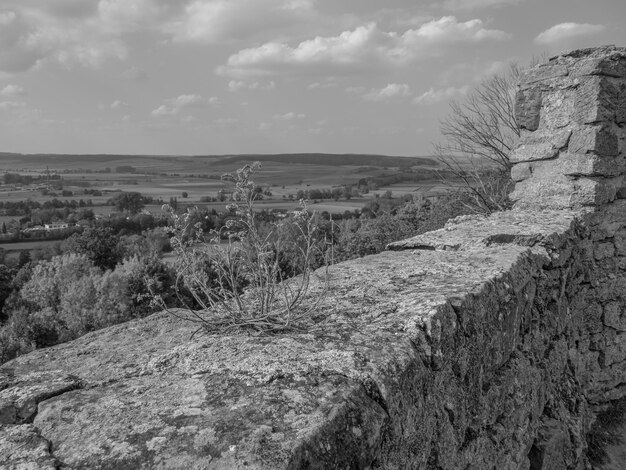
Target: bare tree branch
{"type": "Point", "coordinates": [479, 133]}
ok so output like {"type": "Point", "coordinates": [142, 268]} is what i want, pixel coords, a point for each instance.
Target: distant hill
{"type": "Point", "coordinates": [62, 157]}
{"type": "Point", "coordinates": [183, 163]}
{"type": "Point", "coordinates": [348, 159]}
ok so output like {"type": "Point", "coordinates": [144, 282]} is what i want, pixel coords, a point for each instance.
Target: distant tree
{"type": "Point", "coordinates": [99, 244]}
{"type": "Point", "coordinates": [49, 280]}
{"type": "Point", "coordinates": [144, 277]}
{"type": "Point", "coordinates": [347, 192]}
{"type": "Point", "coordinates": [185, 194]}
{"type": "Point", "coordinates": [125, 169]}
{"type": "Point", "coordinates": [24, 258]}
{"type": "Point", "coordinates": [4, 227]}
{"type": "Point", "coordinates": [6, 276]}
{"type": "Point", "coordinates": [13, 178]}
{"type": "Point", "coordinates": [76, 296]}
{"type": "Point", "coordinates": [130, 202]}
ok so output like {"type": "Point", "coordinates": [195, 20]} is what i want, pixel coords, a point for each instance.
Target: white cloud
{"type": "Point", "coordinates": [213, 21]}
{"type": "Point", "coordinates": [454, 5]}
{"type": "Point", "coordinates": [72, 32]}
{"type": "Point", "coordinates": [118, 16]}
{"type": "Point", "coordinates": [135, 73]}
{"type": "Point", "coordinates": [476, 71]}
{"type": "Point", "coordinates": [434, 96]}
{"type": "Point", "coordinates": [12, 90]}
{"type": "Point", "coordinates": [365, 47]}
{"type": "Point", "coordinates": [563, 31]}
{"type": "Point", "coordinates": [226, 121]}
{"type": "Point", "coordinates": [11, 104]}
{"type": "Point", "coordinates": [355, 90]}
{"type": "Point", "coordinates": [7, 17]}
{"type": "Point", "coordinates": [174, 106]}
{"type": "Point", "coordinates": [119, 104]}
{"type": "Point", "coordinates": [238, 85]}
{"type": "Point", "coordinates": [389, 92]}
{"type": "Point", "coordinates": [329, 83]}
{"type": "Point", "coordinates": [290, 116]}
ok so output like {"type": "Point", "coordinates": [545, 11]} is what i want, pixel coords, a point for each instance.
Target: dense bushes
{"type": "Point", "coordinates": [64, 298]}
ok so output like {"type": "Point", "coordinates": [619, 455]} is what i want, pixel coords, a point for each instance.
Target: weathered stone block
{"type": "Point", "coordinates": [599, 139]}
{"type": "Point", "coordinates": [541, 73]}
{"type": "Point", "coordinates": [528, 108]}
{"type": "Point", "coordinates": [598, 66]}
{"type": "Point", "coordinates": [521, 171]}
{"type": "Point", "coordinates": [596, 100]}
{"type": "Point", "coordinates": [557, 109]}
{"type": "Point", "coordinates": [593, 192]}
{"type": "Point", "coordinates": [613, 316]}
{"type": "Point", "coordinates": [531, 152]}
{"type": "Point", "coordinates": [542, 192]}
{"type": "Point", "coordinates": [569, 164]}
{"type": "Point", "coordinates": [577, 164]}
{"type": "Point", "coordinates": [540, 145]}
{"type": "Point", "coordinates": [606, 60]}
{"type": "Point", "coordinates": [557, 191]}
{"type": "Point", "coordinates": [613, 354]}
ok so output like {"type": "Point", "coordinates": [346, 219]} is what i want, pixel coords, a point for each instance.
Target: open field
{"type": "Point", "coordinates": [198, 177]}
{"type": "Point", "coordinates": [11, 251]}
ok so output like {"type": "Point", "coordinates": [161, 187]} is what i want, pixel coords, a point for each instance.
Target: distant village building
{"type": "Point", "coordinates": [36, 228]}
{"type": "Point", "coordinates": [56, 226]}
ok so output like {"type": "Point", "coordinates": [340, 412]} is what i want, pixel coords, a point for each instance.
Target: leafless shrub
{"type": "Point", "coordinates": [479, 134]}
{"type": "Point", "coordinates": [231, 278]}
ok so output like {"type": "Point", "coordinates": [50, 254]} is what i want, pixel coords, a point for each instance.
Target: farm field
{"type": "Point", "coordinates": [11, 251]}
{"type": "Point", "coordinates": [192, 179]}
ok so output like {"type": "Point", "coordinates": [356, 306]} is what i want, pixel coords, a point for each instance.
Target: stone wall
{"type": "Point", "coordinates": [572, 112]}
{"type": "Point", "coordinates": [495, 343]}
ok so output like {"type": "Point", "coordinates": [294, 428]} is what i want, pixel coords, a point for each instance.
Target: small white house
{"type": "Point", "coordinates": [56, 226]}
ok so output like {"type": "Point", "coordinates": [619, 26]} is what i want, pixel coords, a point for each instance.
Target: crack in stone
{"type": "Point", "coordinates": [19, 402]}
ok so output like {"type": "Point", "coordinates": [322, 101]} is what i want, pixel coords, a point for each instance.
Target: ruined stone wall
{"type": "Point", "coordinates": [495, 343]}
{"type": "Point", "coordinates": [572, 112]}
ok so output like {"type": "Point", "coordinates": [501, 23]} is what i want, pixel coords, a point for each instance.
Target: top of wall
{"type": "Point", "coordinates": [144, 394]}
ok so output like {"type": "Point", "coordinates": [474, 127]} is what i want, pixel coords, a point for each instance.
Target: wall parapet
{"type": "Point", "coordinates": [495, 343]}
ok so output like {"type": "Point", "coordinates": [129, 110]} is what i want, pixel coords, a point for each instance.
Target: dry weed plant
{"type": "Point", "coordinates": [230, 279]}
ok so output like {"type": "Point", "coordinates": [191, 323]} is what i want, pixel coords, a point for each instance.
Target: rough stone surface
{"type": "Point", "coordinates": [23, 448]}
{"type": "Point", "coordinates": [540, 146]}
{"type": "Point", "coordinates": [571, 111]}
{"type": "Point", "coordinates": [571, 164]}
{"type": "Point", "coordinates": [593, 139]}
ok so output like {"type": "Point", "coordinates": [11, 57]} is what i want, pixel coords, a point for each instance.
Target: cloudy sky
{"type": "Point", "coordinates": [264, 76]}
